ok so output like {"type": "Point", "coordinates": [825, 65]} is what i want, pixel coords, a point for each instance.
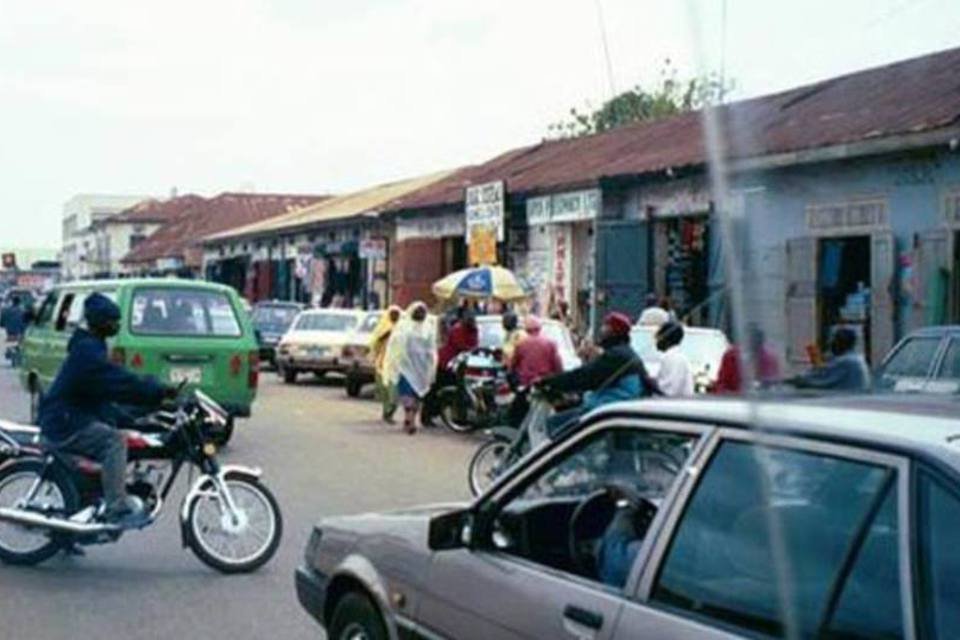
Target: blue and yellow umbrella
{"type": "Point", "coordinates": [480, 282]}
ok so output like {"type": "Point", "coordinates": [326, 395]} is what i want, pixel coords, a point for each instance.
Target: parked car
{"type": "Point", "coordinates": [175, 330]}
{"type": "Point", "coordinates": [315, 343]}
{"type": "Point", "coordinates": [927, 360]}
{"type": "Point", "coordinates": [272, 319]}
{"type": "Point", "coordinates": [703, 346]}
{"type": "Point", "coordinates": [356, 353]}
{"type": "Point", "coordinates": [491, 336]}
{"type": "Point", "coordinates": [832, 519]}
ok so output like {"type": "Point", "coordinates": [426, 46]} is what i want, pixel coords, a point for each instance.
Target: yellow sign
{"type": "Point", "coordinates": [482, 244]}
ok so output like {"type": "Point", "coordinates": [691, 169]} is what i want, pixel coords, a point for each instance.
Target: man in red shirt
{"type": "Point", "coordinates": [765, 362]}
{"type": "Point", "coordinates": [462, 336]}
{"type": "Point", "coordinates": [536, 356]}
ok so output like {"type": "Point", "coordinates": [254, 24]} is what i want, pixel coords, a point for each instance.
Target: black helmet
{"type": "Point", "coordinates": [510, 320]}
{"type": "Point", "coordinates": [670, 334]}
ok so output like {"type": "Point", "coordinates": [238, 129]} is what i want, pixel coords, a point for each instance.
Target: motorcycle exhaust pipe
{"type": "Point", "coordinates": [33, 519]}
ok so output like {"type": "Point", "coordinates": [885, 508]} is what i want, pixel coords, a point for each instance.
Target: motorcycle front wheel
{"type": "Point", "coordinates": [238, 543]}
{"type": "Point", "coordinates": [487, 463]}
{"type": "Point", "coordinates": [452, 404]}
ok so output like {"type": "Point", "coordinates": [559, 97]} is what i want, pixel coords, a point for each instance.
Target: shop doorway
{"type": "Point", "coordinates": [955, 280]}
{"type": "Point", "coordinates": [682, 265]}
{"type": "Point", "coordinates": [843, 285]}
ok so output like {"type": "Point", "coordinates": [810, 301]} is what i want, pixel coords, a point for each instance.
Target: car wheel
{"type": "Point", "coordinates": [356, 618]}
{"type": "Point", "coordinates": [289, 375]}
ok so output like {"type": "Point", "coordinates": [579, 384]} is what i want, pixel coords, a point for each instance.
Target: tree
{"type": "Point", "coordinates": [669, 97]}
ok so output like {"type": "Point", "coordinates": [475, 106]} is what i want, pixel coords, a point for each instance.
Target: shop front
{"type": "Point", "coordinates": [427, 247]}
{"type": "Point", "coordinates": [558, 265]}
{"type": "Point", "coordinates": [842, 274]}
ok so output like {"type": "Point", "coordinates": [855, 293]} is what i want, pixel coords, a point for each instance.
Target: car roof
{"type": "Point", "coordinates": [498, 317]}
{"type": "Point", "coordinates": [339, 312]}
{"type": "Point", "coordinates": [278, 303]}
{"type": "Point", "coordinates": [686, 329]}
{"type": "Point", "coordinates": [920, 423]}
{"type": "Point", "coordinates": [936, 331]}
{"type": "Point", "coordinates": [117, 283]}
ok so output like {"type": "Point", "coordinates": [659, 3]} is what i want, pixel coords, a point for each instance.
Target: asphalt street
{"type": "Point", "coordinates": [322, 454]}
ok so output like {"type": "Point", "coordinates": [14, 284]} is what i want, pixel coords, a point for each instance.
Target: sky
{"type": "Point", "coordinates": [112, 96]}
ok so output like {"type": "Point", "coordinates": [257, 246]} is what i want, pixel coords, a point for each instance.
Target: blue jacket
{"type": "Point", "coordinates": [86, 388]}
{"type": "Point", "coordinates": [847, 372]}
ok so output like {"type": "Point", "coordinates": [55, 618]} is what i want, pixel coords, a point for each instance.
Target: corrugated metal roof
{"type": "Point", "coordinates": [336, 208]}
{"type": "Point", "coordinates": [917, 95]}
{"type": "Point", "coordinates": [197, 217]}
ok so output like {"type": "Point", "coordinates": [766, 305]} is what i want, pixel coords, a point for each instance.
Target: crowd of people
{"type": "Point", "coordinates": [412, 357]}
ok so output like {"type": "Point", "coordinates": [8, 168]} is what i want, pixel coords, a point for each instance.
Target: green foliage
{"type": "Point", "coordinates": [671, 96]}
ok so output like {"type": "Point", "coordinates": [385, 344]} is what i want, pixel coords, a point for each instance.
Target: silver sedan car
{"type": "Point", "coordinates": [675, 519]}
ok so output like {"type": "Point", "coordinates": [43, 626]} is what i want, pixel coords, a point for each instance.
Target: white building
{"type": "Point", "coordinates": [86, 243]}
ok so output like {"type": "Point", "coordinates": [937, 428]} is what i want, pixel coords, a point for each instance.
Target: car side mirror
{"type": "Point", "coordinates": [453, 530]}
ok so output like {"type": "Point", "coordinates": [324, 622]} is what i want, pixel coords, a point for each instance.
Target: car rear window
{"type": "Point", "coordinates": [183, 312]}
{"type": "Point", "coordinates": [326, 322]}
{"type": "Point", "coordinates": [274, 317]}
{"type": "Point", "coordinates": [913, 359]}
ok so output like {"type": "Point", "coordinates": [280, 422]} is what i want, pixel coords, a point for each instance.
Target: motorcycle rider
{"type": "Point", "coordinates": [512, 336]}
{"type": "Point", "coordinates": [616, 374]}
{"type": "Point", "coordinates": [75, 413]}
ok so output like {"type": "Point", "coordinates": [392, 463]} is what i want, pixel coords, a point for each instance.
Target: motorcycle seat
{"type": "Point", "coordinates": [77, 461]}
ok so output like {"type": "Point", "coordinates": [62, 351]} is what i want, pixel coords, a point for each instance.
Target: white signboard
{"type": "Point", "coordinates": [485, 205]}
{"type": "Point", "coordinates": [574, 206]}
{"type": "Point", "coordinates": [445, 226]}
{"type": "Point", "coordinates": [373, 249]}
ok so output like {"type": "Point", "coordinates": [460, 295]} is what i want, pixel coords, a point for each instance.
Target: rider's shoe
{"type": "Point", "coordinates": [130, 514]}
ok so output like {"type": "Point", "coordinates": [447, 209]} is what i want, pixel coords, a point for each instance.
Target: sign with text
{"type": "Point", "coordinates": [373, 249]}
{"type": "Point", "coordinates": [484, 207]}
{"type": "Point", "coordinates": [450, 225]}
{"type": "Point", "coordinates": [482, 244]}
{"type": "Point", "coordinates": [575, 206]}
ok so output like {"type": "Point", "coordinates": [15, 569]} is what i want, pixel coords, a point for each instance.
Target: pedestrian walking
{"type": "Point", "coordinates": [411, 361]}
{"type": "Point", "coordinates": [846, 371]}
{"type": "Point", "coordinates": [14, 322]}
{"type": "Point", "coordinates": [386, 393]}
{"type": "Point", "coordinates": [675, 378]}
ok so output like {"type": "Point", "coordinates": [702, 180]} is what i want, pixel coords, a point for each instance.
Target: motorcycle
{"type": "Point", "coordinates": [51, 500]}
{"type": "Point", "coordinates": [506, 445]}
{"type": "Point", "coordinates": [481, 394]}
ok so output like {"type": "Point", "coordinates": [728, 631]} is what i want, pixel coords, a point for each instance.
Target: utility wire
{"type": "Point", "coordinates": [606, 49]}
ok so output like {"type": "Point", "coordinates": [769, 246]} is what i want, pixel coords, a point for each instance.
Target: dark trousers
{"type": "Point", "coordinates": [101, 442]}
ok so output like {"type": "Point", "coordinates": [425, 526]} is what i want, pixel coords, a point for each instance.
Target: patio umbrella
{"type": "Point", "coordinates": [480, 282]}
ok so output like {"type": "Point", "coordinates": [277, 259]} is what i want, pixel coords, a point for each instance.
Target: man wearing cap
{"type": "Point", "coordinates": [74, 414]}
{"type": "Point", "coordinates": [617, 374]}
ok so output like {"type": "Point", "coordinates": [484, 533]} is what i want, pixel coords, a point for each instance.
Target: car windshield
{"type": "Point", "coordinates": [183, 312]}
{"type": "Point", "coordinates": [274, 318]}
{"type": "Point", "coordinates": [326, 322]}
{"type": "Point", "coordinates": [491, 333]}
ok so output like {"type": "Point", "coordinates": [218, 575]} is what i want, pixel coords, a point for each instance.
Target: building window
{"type": "Point", "coordinates": [136, 239]}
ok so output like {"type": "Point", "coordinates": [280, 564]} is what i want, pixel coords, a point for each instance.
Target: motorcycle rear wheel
{"type": "Point", "coordinates": [487, 464]}
{"type": "Point", "coordinates": [216, 546]}
{"type": "Point", "coordinates": [452, 411]}
{"type": "Point", "coordinates": [21, 545]}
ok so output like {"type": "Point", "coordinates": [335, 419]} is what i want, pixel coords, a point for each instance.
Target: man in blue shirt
{"type": "Point", "coordinates": [75, 413]}
{"type": "Point", "coordinates": [847, 371]}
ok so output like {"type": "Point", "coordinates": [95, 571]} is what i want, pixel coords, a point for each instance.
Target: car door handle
{"type": "Point", "coordinates": [583, 617]}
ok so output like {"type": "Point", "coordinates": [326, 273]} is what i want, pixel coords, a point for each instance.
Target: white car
{"type": "Point", "coordinates": [315, 342]}
{"type": "Point", "coordinates": [491, 334]}
{"type": "Point", "coordinates": [703, 346]}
